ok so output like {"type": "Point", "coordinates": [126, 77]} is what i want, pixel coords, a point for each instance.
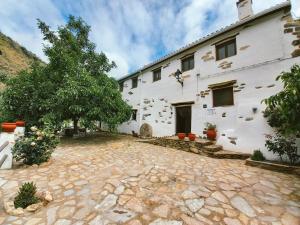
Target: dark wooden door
{"type": "Point", "coordinates": [183, 119]}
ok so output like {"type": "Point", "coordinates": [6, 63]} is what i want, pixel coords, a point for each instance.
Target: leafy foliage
{"type": "Point", "coordinates": [257, 156]}
{"type": "Point", "coordinates": [283, 109]}
{"type": "Point", "coordinates": [36, 147]}
{"type": "Point", "coordinates": [210, 126]}
{"type": "Point", "coordinates": [73, 85]}
{"type": "Point", "coordinates": [26, 196]}
{"type": "Point", "coordinates": [283, 147]}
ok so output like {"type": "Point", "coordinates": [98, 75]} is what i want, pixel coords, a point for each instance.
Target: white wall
{"type": "Point", "coordinates": [263, 52]}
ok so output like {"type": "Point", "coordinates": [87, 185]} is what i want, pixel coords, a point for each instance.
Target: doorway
{"type": "Point", "coordinates": [183, 119]}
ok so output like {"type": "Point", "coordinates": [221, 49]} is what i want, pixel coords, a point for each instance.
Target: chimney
{"type": "Point", "coordinates": [244, 8]}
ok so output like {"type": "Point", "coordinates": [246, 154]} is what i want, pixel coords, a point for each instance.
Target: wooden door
{"type": "Point", "coordinates": [183, 119]}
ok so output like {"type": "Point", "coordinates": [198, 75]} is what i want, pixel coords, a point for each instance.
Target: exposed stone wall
{"type": "Point", "coordinates": [225, 65]}
{"type": "Point", "coordinates": [292, 27]}
{"type": "Point", "coordinates": [183, 145]}
{"type": "Point", "coordinates": [208, 56]}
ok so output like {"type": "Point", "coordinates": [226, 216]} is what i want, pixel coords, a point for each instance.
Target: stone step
{"type": "Point", "coordinates": [212, 148]}
{"type": "Point", "coordinates": [224, 154]}
{"type": "Point", "coordinates": [203, 142]}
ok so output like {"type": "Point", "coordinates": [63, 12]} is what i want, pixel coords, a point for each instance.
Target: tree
{"type": "Point", "coordinates": [73, 85]}
{"type": "Point", "coordinates": [283, 108]}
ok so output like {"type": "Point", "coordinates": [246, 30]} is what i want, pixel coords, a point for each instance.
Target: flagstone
{"type": "Point", "coordinates": [122, 181]}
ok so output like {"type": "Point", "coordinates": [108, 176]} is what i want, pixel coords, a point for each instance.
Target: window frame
{"type": "Point", "coordinates": [189, 61]}
{"type": "Point", "coordinates": [154, 72]}
{"type": "Point", "coordinates": [225, 45]}
{"type": "Point", "coordinates": [218, 89]}
{"type": "Point", "coordinates": [134, 80]}
{"type": "Point", "coordinates": [134, 112]}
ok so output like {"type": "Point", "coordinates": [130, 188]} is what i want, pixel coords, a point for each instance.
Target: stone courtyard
{"type": "Point", "coordinates": [119, 180]}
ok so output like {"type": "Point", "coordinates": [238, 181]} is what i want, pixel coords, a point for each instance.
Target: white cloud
{"type": "Point", "coordinates": [132, 32]}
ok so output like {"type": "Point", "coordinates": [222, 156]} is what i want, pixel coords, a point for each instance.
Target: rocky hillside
{"type": "Point", "coordinates": [14, 57]}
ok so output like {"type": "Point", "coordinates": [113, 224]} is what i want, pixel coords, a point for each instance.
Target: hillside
{"type": "Point", "coordinates": [14, 57]}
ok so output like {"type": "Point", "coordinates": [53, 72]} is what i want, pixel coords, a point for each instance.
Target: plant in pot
{"type": "Point", "coordinates": [181, 136]}
{"type": "Point", "coordinates": [8, 127]}
{"type": "Point", "coordinates": [192, 137]}
{"type": "Point", "coordinates": [20, 123]}
{"type": "Point", "coordinates": [211, 131]}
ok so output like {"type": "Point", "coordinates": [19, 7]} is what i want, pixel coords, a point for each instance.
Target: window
{"type": "Point", "coordinates": [187, 63]}
{"type": "Point", "coordinates": [226, 49]}
{"type": "Point", "coordinates": [157, 75]}
{"type": "Point", "coordinates": [121, 86]}
{"type": "Point", "coordinates": [134, 82]}
{"type": "Point", "coordinates": [133, 115]}
{"type": "Point", "coordinates": [223, 96]}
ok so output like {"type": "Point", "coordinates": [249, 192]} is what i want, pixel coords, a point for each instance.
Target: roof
{"type": "Point", "coordinates": [278, 7]}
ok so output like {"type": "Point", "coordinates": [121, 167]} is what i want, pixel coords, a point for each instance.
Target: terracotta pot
{"type": "Point", "coordinates": [211, 134]}
{"type": "Point", "coordinates": [192, 137]}
{"type": "Point", "coordinates": [8, 127]}
{"type": "Point", "coordinates": [20, 123]}
{"type": "Point", "coordinates": [181, 136]}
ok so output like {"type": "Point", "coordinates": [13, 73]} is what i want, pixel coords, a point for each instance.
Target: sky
{"type": "Point", "coordinates": [132, 33]}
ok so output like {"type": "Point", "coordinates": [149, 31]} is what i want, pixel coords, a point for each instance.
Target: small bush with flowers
{"type": "Point", "coordinates": [36, 147]}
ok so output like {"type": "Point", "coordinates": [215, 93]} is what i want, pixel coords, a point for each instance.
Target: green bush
{"type": "Point", "coordinates": [36, 147]}
{"type": "Point", "coordinates": [283, 147]}
{"type": "Point", "coordinates": [26, 196]}
{"type": "Point", "coordinates": [257, 156]}
{"type": "Point", "coordinates": [283, 108]}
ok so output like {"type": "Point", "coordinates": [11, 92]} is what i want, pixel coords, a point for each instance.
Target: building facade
{"type": "Point", "coordinates": [222, 79]}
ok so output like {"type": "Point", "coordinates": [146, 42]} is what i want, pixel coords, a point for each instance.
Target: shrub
{"type": "Point", "coordinates": [283, 147]}
{"type": "Point", "coordinates": [36, 147]}
{"type": "Point", "coordinates": [257, 156]}
{"type": "Point", "coordinates": [283, 108]}
{"type": "Point", "coordinates": [26, 196]}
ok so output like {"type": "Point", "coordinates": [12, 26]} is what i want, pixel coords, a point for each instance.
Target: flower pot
{"type": "Point", "coordinates": [8, 127]}
{"type": "Point", "coordinates": [192, 137]}
{"type": "Point", "coordinates": [211, 134]}
{"type": "Point", "coordinates": [20, 123]}
{"type": "Point", "coordinates": [181, 136]}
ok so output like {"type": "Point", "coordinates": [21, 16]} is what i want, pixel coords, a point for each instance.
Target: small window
{"type": "Point", "coordinates": [121, 86]}
{"type": "Point", "coordinates": [187, 63]}
{"type": "Point", "coordinates": [157, 75]}
{"type": "Point", "coordinates": [226, 49]}
{"type": "Point", "coordinates": [223, 96]}
{"type": "Point", "coordinates": [134, 82]}
{"type": "Point", "coordinates": [133, 115]}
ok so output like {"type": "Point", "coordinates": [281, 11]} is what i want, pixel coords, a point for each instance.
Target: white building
{"type": "Point", "coordinates": [226, 75]}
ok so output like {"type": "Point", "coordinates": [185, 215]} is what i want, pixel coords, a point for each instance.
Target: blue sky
{"type": "Point", "coordinates": [131, 32]}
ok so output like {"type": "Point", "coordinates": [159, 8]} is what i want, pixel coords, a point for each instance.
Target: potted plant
{"type": "Point", "coordinates": [181, 136]}
{"type": "Point", "coordinates": [20, 123]}
{"type": "Point", "coordinates": [192, 137]}
{"type": "Point", "coordinates": [211, 132]}
{"type": "Point", "coordinates": [8, 127]}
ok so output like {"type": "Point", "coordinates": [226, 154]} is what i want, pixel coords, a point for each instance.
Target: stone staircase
{"type": "Point", "coordinates": [199, 146]}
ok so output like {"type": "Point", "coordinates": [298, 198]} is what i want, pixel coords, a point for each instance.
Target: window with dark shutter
{"type": "Point", "coordinates": [223, 96]}
{"type": "Point", "coordinates": [157, 75]}
{"type": "Point", "coordinates": [187, 63]}
{"type": "Point", "coordinates": [134, 82]}
{"type": "Point", "coordinates": [226, 49]}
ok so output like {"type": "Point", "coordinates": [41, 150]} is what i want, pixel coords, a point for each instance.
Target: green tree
{"type": "Point", "coordinates": [73, 85]}
{"type": "Point", "coordinates": [283, 108]}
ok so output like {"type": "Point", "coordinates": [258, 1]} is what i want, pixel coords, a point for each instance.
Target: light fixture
{"type": "Point", "coordinates": [178, 76]}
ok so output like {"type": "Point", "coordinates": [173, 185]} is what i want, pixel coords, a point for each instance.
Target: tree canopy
{"type": "Point", "coordinates": [74, 85]}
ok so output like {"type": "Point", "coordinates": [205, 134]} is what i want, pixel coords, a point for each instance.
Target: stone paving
{"type": "Point", "coordinates": [117, 180]}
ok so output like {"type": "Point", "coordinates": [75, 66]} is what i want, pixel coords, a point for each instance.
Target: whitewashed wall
{"type": "Point", "coordinates": [263, 52]}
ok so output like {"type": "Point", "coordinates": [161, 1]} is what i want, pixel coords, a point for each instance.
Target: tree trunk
{"type": "Point", "coordinates": [75, 124]}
